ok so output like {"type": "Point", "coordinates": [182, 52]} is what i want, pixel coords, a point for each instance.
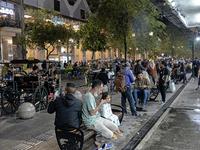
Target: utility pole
{"type": "Point", "coordinates": [22, 28]}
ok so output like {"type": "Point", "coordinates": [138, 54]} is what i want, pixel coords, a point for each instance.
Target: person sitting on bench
{"type": "Point", "coordinates": [91, 117]}
{"type": "Point", "coordinates": [141, 88]}
{"type": "Point", "coordinates": [68, 109]}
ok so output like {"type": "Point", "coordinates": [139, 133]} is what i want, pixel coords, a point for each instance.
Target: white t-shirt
{"type": "Point", "coordinates": [110, 74]}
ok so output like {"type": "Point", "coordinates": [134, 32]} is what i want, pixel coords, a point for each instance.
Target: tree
{"type": "Point", "coordinates": [176, 41]}
{"type": "Point", "coordinates": [117, 16]}
{"type": "Point", "coordinates": [43, 33]}
{"type": "Point", "coordinates": [93, 37]}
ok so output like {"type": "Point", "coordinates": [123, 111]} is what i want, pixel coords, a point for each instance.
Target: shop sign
{"type": "Point", "coordinates": [6, 11]}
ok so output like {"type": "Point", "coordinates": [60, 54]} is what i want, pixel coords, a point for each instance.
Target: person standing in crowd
{"type": "Point", "coordinates": [128, 94]}
{"type": "Point", "coordinates": [162, 81]}
{"type": "Point", "coordinates": [152, 67]}
{"type": "Point", "coordinates": [183, 73]}
{"type": "Point", "coordinates": [196, 67]}
{"type": "Point", "coordinates": [117, 67]}
{"type": "Point", "coordinates": [102, 76]}
{"type": "Point", "coordinates": [111, 77]}
{"type": "Point", "coordinates": [138, 67]}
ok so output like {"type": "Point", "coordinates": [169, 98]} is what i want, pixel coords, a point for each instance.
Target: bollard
{"type": "Point", "coordinates": [26, 110]}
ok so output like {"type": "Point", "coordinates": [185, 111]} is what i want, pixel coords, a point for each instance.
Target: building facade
{"type": "Point", "coordinates": [73, 11]}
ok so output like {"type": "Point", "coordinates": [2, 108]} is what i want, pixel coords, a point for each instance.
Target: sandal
{"type": "Point", "coordinates": [119, 132]}
{"type": "Point", "coordinates": [137, 115]}
{"type": "Point", "coordinates": [114, 136]}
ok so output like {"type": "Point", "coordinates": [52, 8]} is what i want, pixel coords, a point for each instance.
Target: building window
{"type": "Point", "coordinates": [72, 2]}
{"type": "Point", "coordinates": [82, 14]}
{"type": "Point", "coordinates": [57, 5]}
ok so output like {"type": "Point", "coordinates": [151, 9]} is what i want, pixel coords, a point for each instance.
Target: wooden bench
{"type": "Point", "coordinates": [75, 140]}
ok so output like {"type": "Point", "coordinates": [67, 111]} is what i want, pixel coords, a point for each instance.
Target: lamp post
{"type": "Point", "coordinates": [22, 28]}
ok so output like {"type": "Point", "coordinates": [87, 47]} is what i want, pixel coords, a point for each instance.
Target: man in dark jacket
{"type": "Point", "coordinates": [138, 67]}
{"type": "Point", "coordinates": [68, 109]}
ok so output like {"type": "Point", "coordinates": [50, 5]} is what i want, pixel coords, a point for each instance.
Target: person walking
{"type": "Point", "coordinates": [162, 81]}
{"type": "Point", "coordinates": [128, 94]}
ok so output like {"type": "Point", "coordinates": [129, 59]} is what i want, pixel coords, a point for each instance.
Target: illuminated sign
{"type": "Point", "coordinates": [6, 11]}
{"type": "Point", "coordinates": [57, 22]}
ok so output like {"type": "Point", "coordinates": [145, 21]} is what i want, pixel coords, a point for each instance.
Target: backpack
{"type": "Point", "coordinates": [120, 82]}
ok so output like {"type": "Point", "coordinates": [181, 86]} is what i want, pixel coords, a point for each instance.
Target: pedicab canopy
{"type": "Point", "coordinates": [25, 61]}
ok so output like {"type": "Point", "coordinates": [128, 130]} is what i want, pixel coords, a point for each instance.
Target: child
{"type": "Point", "coordinates": [106, 112]}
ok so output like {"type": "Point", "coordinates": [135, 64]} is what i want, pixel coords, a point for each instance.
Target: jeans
{"type": "Point", "coordinates": [143, 93]}
{"type": "Point", "coordinates": [129, 96]}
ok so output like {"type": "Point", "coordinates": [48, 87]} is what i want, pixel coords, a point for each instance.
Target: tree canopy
{"type": "Point", "coordinates": [93, 37]}
{"type": "Point", "coordinates": [42, 32]}
{"type": "Point", "coordinates": [123, 18]}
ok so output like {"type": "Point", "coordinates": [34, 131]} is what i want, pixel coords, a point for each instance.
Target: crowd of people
{"type": "Point", "coordinates": [100, 117]}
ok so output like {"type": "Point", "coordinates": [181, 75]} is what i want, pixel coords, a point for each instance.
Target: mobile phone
{"type": "Point", "coordinates": [56, 93]}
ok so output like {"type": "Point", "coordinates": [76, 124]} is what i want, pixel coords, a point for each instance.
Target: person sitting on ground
{"type": "Point", "coordinates": [68, 109]}
{"type": "Point", "coordinates": [91, 117]}
{"type": "Point", "coordinates": [141, 87]}
{"type": "Point", "coordinates": [106, 111]}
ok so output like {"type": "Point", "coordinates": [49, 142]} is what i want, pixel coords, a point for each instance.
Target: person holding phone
{"type": "Point", "coordinates": [68, 109]}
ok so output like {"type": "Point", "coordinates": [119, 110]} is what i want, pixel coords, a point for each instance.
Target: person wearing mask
{"type": "Point", "coordinates": [128, 94]}
{"type": "Point", "coordinates": [91, 117]}
{"type": "Point", "coordinates": [196, 67]}
{"type": "Point", "coordinates": [162, 81]}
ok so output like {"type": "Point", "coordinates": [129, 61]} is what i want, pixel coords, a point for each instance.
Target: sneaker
{"type": "Point", "coordinates": [107, 146]}
{"type": "Point", "coordinates": [137, 104]}
{"type": "Point", "coordinates": [197, 88]}
{"type": "Point", "coordinates": [162, 103]}
{"type": "Point", "coordinates": [143, 106]}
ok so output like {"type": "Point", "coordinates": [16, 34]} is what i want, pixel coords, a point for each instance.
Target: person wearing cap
{"type": "Point", "coordinates": [68, 109]}
{"type": "Point", "coordinates": [196, 67]}
{"type": "Point", "coordinates": [128, 94]}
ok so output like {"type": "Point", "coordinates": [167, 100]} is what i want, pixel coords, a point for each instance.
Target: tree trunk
{"type": "Point", "coordinates": [125, 45]}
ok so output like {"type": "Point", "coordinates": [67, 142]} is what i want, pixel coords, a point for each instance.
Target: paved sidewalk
{"type": "Point", "coordinates": [15, 131]}
{"type": "Point", "coordinates": [179, 127]}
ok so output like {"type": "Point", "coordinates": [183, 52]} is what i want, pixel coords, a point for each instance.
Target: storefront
{"type": "Point", "coordinates": [9, 30]}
